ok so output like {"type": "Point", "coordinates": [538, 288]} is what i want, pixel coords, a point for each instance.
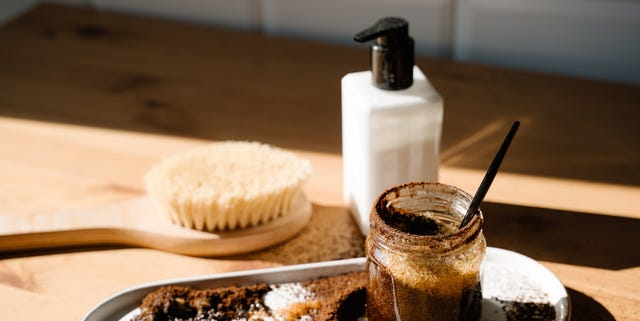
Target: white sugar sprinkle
{"type": "Point", "coordinates": [508, 284]}
{"type": "Point", "coordinates": [282, 296]}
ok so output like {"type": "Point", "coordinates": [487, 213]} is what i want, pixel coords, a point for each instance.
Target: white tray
{"type": "Point", "coordinates": [515, 268]}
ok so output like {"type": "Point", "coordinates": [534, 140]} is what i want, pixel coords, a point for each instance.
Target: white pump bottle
{"type": "Point", "coordinates": [391, 120]}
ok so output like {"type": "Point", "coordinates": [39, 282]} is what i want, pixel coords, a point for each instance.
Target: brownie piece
{"type": "Point", "coordinates": [337, 298]}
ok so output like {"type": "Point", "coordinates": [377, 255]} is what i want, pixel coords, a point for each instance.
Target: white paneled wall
{"type": "Point", "coordinates": [339, 20]}
{"type": "Point", "coordinates": [597, 39]}
{"type": "Point", "coordinates": [591, 38]}
{"type": "Point", "coordinates": [12, 8]}
{"type": "Point", "coordinates": [77, 3]}
{"type": "Point", "coordinates": [244, 14]}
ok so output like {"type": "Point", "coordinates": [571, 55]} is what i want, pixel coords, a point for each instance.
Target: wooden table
{"type": "Point", "coordinates": [89, 101]}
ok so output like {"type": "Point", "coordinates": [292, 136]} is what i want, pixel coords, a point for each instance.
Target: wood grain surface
{"type": "Point", "coordinates": [90, 100]}
{"type": "Point", "coordinates": [137, 222]}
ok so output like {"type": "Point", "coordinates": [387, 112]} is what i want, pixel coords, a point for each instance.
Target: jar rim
{"type": "Point", "coordinates": [394, 237]}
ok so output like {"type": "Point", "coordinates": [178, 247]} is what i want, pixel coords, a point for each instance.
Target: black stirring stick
{"type": "Point", "coordinates": [489, 176]}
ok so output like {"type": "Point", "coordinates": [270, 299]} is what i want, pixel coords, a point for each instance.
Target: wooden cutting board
{"type": "Point", "coordinates": [137, 223]}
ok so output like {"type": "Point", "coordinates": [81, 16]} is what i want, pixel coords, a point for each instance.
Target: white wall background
{"type": "Point", "coordinates": [12, 8]}
{"type": "Point", "coordinates": [598, 39]}
{"type": "Point", "coordinates": [591, 38]}
{"type": "Point", "coordinates": [339, 20]}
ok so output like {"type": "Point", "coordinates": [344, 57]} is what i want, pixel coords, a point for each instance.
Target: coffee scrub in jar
{"type": "Point", "coordinates": [421, 265]}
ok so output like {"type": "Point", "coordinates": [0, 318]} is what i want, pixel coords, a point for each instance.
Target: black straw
{"type": "Point", "coordinates": [489, 176]}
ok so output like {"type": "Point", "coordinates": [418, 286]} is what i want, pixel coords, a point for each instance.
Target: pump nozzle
{"type": "Point", "coordinates": [392, 54]}
{"type": "Point", "coordinates": [390, 27]}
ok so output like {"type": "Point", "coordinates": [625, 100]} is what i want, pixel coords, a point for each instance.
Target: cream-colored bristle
{"type": "Point", "coordinates": [227, 185]}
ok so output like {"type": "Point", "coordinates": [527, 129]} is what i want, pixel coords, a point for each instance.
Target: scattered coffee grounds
{"type": "Point", "coordinates": [528, 311]}
{"type": "Point", "coordinates": [418, 224]}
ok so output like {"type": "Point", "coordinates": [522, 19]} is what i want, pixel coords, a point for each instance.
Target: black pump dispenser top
{"type": "Point", "coordinates": [392, 54]}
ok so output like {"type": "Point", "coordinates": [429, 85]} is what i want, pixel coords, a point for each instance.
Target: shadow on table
{"type": "Point", "coordinates": [286, 92]}
{"type": "Point", "coordinates": [331, 234]}
{"type": "Point", "coordinates": [585, 308]}
{"type": "Point", "coordinates": [60, 250]}
{"type": "Point", "coordinates": [594, 240]}
{"type": "Point", "coordinates": [582, 239]}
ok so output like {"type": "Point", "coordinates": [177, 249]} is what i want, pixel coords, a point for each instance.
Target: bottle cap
{"type": "Point", "coordinates": [392, 53]}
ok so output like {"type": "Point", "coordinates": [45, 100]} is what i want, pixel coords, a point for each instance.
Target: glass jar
{"type": "Point", "coordinates": [421, 266]}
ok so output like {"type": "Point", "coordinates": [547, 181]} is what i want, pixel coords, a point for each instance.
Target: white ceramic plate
{"type": "Point", "coordinates": [513, 283]}
{"type": "Point", "coordinates": [507, 278]}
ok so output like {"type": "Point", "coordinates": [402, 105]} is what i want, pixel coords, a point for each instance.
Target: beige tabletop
{"type": "Point", "coordinates": [89, 101]}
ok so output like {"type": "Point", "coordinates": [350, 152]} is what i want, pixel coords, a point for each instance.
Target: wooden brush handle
{"type": "Point", "coordinates": [136, 223]}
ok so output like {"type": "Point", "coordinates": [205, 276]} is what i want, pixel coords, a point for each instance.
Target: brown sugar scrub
{"type": "Point", "coordinates": [336, 298]}
{"type": "Point", "coordinates": [227, 185]}
{"type": "Point", "coordinates": [420, 265]}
